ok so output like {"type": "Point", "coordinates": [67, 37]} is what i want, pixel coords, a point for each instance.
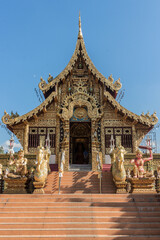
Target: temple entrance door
{"type": "Point", "coordinates": [80, 143]}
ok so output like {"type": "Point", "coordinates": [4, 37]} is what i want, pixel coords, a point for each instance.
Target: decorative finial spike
{"type": "Point", "coordinates": [80, 35]}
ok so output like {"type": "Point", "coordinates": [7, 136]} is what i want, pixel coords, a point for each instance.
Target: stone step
{"type": "Point", "coordinates": [55, 225]}
{"type": "Point", "coordinates": [82, 204]}
{"type": "Point", "coordinates": [99, 219]}
{"type": "Point", "coordinates": [80, 237]}
{"type": "Point", "coordinates": [80, 198]}
{"type": "Point", "coordinates": [81, 182]}
{"type": "Point", "coordinates": [79, 231]}
{"type": "Point", "coordinates": [79, 209]}
{"type": "Point", "coordinates": [80, 216]}
{"type": "Point", "coordinates": [48, 213]}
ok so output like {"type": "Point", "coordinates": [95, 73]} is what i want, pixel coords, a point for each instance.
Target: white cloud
{"type": "Point", "coordinates": [5, 145]}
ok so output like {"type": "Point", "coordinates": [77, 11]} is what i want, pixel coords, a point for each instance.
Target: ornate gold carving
{"type": "Point", "coordinates": [127, 131]}
{"type": "Point", "coordinates": [144, 119]}
{"type": "Point", "coordinates": [109, 131]}
{"type": "Point", "coordinates": [143, 185]}
{"type": "Point", "coordinates": [121, 187]}
{"type": "Point", "coordinates": [149, 118]}
{"type": "Point", "coordinates": [80, 43]}
{"type": "Point", "coordinates": [80, 85]}
{"type": "Point", "coordinates": [15, 186]}
{"type": "Point", "coordinates": [44, 122]}
{"type": "Point", "coordinates": [42, 130]}
{"type": "Point", "coordinates": [33, 130]}
{"type": "Point", "coordinates": [42, 83]}
{"type": "Point", "coordinates": [117, 85]}
{"type": "Point", "coordinates": [51, 130]}
{"type": "Point", "coordinates": [118, 170]}
{"type": "Point", "coordinates": [118, 130]}
{"type": "Point", "coordinates": [80, 130]}
{"type": "Point", "coordinates": [80, 99]}
{"type": "Point", "coordinates": [110, 78]}
{"type": "Point", "coordinates": [6, 118]}
{"type": "Point", "coordinates": [42, 158]}
{"type": "Point", "coordinates": [80, 113]}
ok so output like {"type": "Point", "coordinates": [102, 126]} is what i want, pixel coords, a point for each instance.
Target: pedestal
{"type": "Point", "coordinates": [143, 185]}
{"type": "Point", "coordinates": [1, 184]}
{"type": "Point", "coordinates": [120, 187]}
{"type": "Point", "coordinates": [15, 186]}
{"type": "Point", "coordinates": [39, 187]}
{"type": "Point", "coordinates": [158, 185]}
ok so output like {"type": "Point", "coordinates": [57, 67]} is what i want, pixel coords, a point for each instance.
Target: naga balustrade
{"type": "Point", "coordinates": [61, 169]}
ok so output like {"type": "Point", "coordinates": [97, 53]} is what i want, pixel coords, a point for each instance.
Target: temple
{"type": "Point", "coordinates": [80, 114]}
{"type": "Point", "coordinates": [81, 150]}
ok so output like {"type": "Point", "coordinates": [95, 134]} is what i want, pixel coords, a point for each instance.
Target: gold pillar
{"type": "Point", "coordinates": [134, 139]}
{"type": "Point", "coordinates": [66, 144]}
{"type": "Point", "coordinates": [25, 141]}
{"type": "Point", "coordinates": [93, 145]}
{"type": "Point", "coordinates": [103, 140]}
{"type": "Point", "coordinates": [57, 139]}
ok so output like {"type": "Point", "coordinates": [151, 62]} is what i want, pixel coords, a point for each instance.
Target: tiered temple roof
{"type": "Point", "coordinates": [110, 90]}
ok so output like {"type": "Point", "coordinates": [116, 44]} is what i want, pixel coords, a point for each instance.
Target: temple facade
{"type": "Point", "coordinates": [80, 114]}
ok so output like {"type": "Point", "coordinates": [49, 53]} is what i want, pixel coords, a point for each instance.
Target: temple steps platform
{"type": "Point", "coordinates": [80, 182]}
{"type": "Point", "coordinates": [80, 216]}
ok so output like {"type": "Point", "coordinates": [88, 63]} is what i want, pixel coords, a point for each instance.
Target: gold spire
{"type": "Point", "coordinates": [80, 35]}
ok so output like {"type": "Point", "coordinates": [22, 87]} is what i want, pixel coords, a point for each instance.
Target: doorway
{"type": "Point", "coordinates": [80, 143]}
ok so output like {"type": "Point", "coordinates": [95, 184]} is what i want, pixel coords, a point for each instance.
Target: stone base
{"type": "Point", "coordinates": [1, 184]}
{"type": "Point", "coordinates": [120, 187]}
{"type": "Point", "coordinates": [38, 187]}
{"type": "Point", "coordinates": [158, 185]}
{"type": "Point", "coordinates": [15, 186]}
{"type": "Point", "coordinates": [39, 191]}
{"type": "Point", "coordinates": [143, 185]}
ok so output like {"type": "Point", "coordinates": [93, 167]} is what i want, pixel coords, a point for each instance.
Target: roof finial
{"type": "Point", "coordinates": [80, 35]}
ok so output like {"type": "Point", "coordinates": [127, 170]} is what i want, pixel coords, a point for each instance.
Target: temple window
{"type": "Point", "coordinates": [121, 135]}
{"type": "Point", "coordinates": [38, 135]}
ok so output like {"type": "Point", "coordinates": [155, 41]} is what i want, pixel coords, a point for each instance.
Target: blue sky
{"type": "Point", "coordinates": [38, 37]}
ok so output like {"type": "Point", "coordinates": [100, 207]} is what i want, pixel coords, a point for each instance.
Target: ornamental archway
{"type": "Point", "coordinates": [81, 108]}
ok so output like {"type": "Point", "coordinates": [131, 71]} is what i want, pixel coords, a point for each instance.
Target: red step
{"type": "Point", "coordinates": [80, 216]}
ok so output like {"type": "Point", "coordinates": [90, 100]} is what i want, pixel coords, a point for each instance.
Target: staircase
{"type": "Point", "coordinates": [80, 182]}
{"type": "Point", "coordinates": [80, 216]}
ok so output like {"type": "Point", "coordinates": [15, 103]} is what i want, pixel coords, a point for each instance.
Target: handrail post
{"type": "Point", "coordinates": [62, 161]}
{"type": "Point", "coordinates": [59, 185]}
{"type": "Point", "coordinates": [99, 167]}
{"type": "Point", "coordinates": [100, 183]}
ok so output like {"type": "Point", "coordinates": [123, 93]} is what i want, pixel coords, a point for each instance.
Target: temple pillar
{"type": "Point", "coordinates": [103, 150]}
{"type": "Point", "coordinates": [65, 144]}
{"type": "Point", "coordinates": [25, 140]}
{"type": "Point", "coordinates": [134, 139]}
{"type": "Point", "coordinates": [94, 146]}
{"type": "Point", "coordinates": [57, 139]}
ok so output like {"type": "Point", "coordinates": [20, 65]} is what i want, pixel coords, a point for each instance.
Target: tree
{"type": "Point", "coordinates": [1, 150]}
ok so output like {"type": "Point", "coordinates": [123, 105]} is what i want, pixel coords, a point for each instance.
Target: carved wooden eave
{"type": "Point", "coordinates": [9, 121]}
{"type": "Point", "coordinates": [148, 120]}
{"type": "Point", "coordinates": [113, 86]}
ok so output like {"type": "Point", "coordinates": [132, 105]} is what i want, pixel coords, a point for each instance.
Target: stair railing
{"type": "Point", "coordinates": [99, 168]}
{"type": "Point", "coordinates": [61, 169]}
